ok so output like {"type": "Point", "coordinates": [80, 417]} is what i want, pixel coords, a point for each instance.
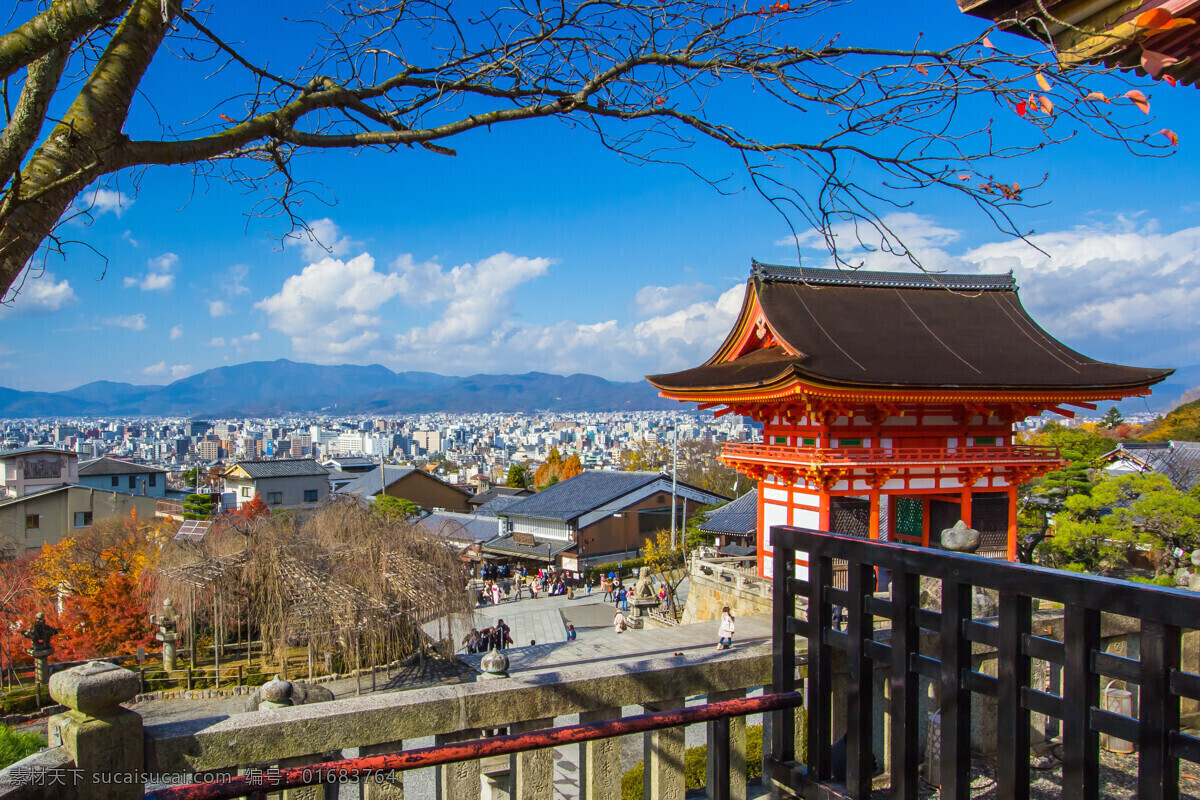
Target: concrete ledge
{"type": "Point", "coordinates": [277, 734]}
{"type": "Point", "coordinates": [30, 778]}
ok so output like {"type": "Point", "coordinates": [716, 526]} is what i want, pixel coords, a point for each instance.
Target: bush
{"type": "Point", "coordinates": [695, 765]}
{"type": "Point", "coordinates": [15, 746]}
{"type": "Point", "coordinates": [628, 567]}
{"type": "Point", "coordinates": [256, 679]}
{"type": "Point", "coordinates": [22, 701]}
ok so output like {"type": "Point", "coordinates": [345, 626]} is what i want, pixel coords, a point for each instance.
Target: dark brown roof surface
{"type": "Point", "coordinates": [901, 330]}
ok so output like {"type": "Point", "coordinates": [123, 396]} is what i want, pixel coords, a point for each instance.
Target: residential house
{"type": "Point", "coordinates": [596, 515]}
{"type": "Point", "coordinates": [124, 476]}
{"type": "Point", "coordinates": [487, 496]}
{"type": "Point", "coordinates": [281, 483]}
{"type": "Point", "coordinates": [32, 469]}
{"type": "Point", "coordinates": [412, 484]}
{"type": "Point", "coordinates": [351, 464]}
{"type": "Point", "coordinates": [1179, 461]}
{"type": "Point", "coordinates": [50, 515]}
{"type": "Point", "coordinates": [735, 525]}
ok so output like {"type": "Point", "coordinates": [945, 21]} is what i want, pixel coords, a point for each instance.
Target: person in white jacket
{"type": "Point", "coordinates": [725, 631]}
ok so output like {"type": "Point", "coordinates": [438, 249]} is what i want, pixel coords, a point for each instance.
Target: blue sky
{"type": "Point", "coordinates": [535, 249]}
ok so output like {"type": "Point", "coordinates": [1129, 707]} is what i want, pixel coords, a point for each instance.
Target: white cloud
{"type": "Point", "coordinates": [128, 236]}
{"type": "Point", "coordinates": [329, 309]}
{"type": "Point", "coordinates": [219, 308]}
{"type": "Point", "coordinates": [322, 240]}
{"type": "Point", "coordinates": [216, 341]}
{"type": "Point", "coordinates": [177, 332]}
{"type": "Point", "coordinates": [239, 341]}
{"type": "Point", "coordinates": [653, 300]}
{"type": "Point", "coordinates": [161, 370]}
{"type": "Point", "coordinates": [134, 322]}
{"type": "Point", "coordinates": [38, 293]}
{"type": "Point", "coordinates": [231, 283]}
{"type": "Point", "coordinates": [159, 277]}
{"type": "Point", "coordinates": [104, 201]}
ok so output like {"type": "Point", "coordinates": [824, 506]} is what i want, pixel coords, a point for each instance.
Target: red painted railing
{"type": "Point", "coordinates": [366, 768]}
{"type": "Point", "coordinates": [780, 454]}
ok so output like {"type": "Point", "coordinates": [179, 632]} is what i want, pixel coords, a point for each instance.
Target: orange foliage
{"type": "Point", "coordinates": [112, 621]}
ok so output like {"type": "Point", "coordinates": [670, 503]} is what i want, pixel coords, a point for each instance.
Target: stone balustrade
{"type": "Point", "coordinates": [381, 723]}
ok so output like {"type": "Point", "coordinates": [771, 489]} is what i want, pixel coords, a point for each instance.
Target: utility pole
{"type": "Point", "coordinates": [674, 473]}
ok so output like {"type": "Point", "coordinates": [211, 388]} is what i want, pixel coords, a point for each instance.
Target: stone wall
{"type": "Point", "coordinates": [714, 585]}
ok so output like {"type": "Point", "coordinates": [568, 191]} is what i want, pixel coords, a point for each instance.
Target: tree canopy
{"type": "Point", "coordinates": [845, 126]}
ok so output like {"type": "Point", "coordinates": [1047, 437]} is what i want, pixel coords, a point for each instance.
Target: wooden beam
{"type": "Point", "coordinates": [1063, 411]}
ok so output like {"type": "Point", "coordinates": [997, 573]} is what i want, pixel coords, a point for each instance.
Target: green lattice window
{"type": "Point", "coordinates": [985, 441]}
{"type": "Point", "coordinates": [908, 519]}
{"type": "Point", "coordinates": [850, 442]}
{"type": "Point", "coordinates": [780, 440]}
{"type": "Point", "coordinates": [808, 442]}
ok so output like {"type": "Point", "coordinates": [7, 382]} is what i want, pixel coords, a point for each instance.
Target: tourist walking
{"type": "Point", "coordinates": [496, 593]}
{"type": "Point", "coordinates": [570, 633]}
{"type": "Point", "coordinates": [619, 621]}
{"type": "Point", "coordinates": [608, 589]}
{"type": "Point", "coordinates": [725, 630]}
{"type": "Point", "coordinates": [503, 637]}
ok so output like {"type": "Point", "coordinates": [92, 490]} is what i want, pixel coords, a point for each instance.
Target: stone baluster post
{"type": "Point", "coordinates": [600, 760]}
{"type": "Point", "coordinates": [458, 781]}
{"type": "Point", "coordinates": [532, 773]}
{"type": "Point", "coordinates": [386, 786]}
{"type": "Point", "coordinates": [737, 749]}
{"type": "Point", "coordinates": [104, 739]}
{"type": "Point", "coordinates": [662, 753]}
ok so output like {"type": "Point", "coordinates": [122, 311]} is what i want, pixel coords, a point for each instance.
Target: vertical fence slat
{"type": "Point", "coordinates": [1081, 690]}
{"type": "Point", "coordinates": [783, 655]}
{"type": "Point", "coordinates": [820, 668]}
{"type": "Point", "coordinates": [1013, 674]}
{"type": "Point", "coordinates": [718, 748]}
{"type": "Point", "coordinates": [903, 686]}
{"type": "Point", "coordinates": [1158, 770]}
{"type": "Point", "coordinates": [859, 717]}
{"type": "Point", "coordinates": [956, 700]}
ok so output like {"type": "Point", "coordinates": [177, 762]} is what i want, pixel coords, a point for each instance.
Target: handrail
{"type": "Point", "coordinates": [838, 455]}
{"type": "Point", "coordinates": [365, 767]}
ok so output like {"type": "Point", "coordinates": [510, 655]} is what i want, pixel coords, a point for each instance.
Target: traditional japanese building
{"type": "Point", "coordinates": [888, 400]}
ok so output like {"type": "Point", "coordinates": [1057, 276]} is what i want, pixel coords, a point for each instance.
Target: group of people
{"type": "Point", "coordinates": [497, 637]}
{"type": "Point", "coordinates": [502, 583]}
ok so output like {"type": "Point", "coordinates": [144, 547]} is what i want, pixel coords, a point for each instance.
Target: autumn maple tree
{"type": "Point", "coordinates": [844, 124]}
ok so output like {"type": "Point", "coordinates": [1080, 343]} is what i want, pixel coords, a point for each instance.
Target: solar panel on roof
{"type": "Point", "coordinates": [192, 530]}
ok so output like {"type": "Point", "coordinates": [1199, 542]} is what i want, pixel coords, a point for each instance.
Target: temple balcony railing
{"type": "Point", "coordinates": [746, 454]}
{"type": "Point", "coordinates": [872, 682]}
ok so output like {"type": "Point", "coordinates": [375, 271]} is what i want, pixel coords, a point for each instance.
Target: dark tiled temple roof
{"type": "Point", "coordinates": [578, 495]}
{"type": "Point", "coordinates": [737, 517]}
{"type": "Point", "coordinates": [885, 329]}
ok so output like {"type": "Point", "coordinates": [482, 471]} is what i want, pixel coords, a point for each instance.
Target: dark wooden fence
{"type": "Point", "coordinates": [1163, 613]}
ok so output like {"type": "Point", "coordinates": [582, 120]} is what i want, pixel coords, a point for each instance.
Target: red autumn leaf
{"type": "Point", "coordinates": [988, 43]}
{"type": "Point", "coordinates": [1155, 63]}
{"type": "Point", "coordinates": [1139, 100]}
{"type": "Point", "coordinates": [921, 69]}
{"type": "Point", "coordinates": [227, 119]}
{"type": "Point", "coordinates": [1171, 80]}
{"type": "Point", "coordinates": [1046, 106]}
{"type": "Point", "coordinates": [1097, 96]}
{"type": "Point", "coordinates": [1020, 108]}
{"type": "Point", "coordinates": [1154, 19]}
{"type": "Point", "coordinates": [964, 177]}
{"type": "Point", "coordinates": [658, 101]}
{"type": "Point", "coordinates": [1042, 82]}
{"type": "Point", "coordinates": [1172, 137]}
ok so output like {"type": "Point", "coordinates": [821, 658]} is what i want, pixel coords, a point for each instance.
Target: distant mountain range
{"type": "Point", "coordinates": [264, 388]}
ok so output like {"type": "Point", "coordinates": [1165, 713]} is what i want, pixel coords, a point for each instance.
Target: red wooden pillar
{"type": "Point", "coordinates": [926, 505]}
{"type": "Point", "coordinates": [965, 506]}
{"type": "Point", "coordinates": [1012, 523]}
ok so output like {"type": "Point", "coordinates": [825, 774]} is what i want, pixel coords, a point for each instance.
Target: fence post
{"type": "Point", "coordinates": [142, 679]}
{"type": "Point", "coordinates": [104, 739]}
{"type": "Point", "coordinates": [239, 683]}
{"type": "Point", "coordinates": [189, 678]}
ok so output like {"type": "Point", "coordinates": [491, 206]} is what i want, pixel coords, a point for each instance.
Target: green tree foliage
{"type": "Point", "coordinates": [394, 508]}
{"type": "Point", "coordinates": [198, 506]}
{"type": "Point", "coordinates": [518, 477]}
{"type": "Point", "coordinates": [1182, 424]}
{"type": "Point", "coordinates": [1086, 444]}
{"type": "Point", "coordinates": [693, 537]}
{"type": "Point", "coordinates": [1112, 419]}
{"type": "Point", "coordinates": [1096, 532]}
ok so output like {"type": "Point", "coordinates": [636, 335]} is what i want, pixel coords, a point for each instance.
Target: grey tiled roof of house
{"type": "Point", "coordinates": [497, 504]}
{"type": "Point", "coordinates": [115, 466]}
{"type": "Point", "coordinates": [576, 496]}
{"type": "Point", "coordinates": [282, 468]}
{"type": "Point", "coordinates": [369, 484]}
{"type": "Point", "coordinates": [545, 549]}
{"type": "Point", "coordinates": [738, 550]}
{"type": "Point", "coordinates": [37, 448]}
{"type": "Point", "coordinates": [474, 527]}
{"type": "Point", "coordinates": [1179, 461]}
{"type": "Point", "coordinates": [739, 516]}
